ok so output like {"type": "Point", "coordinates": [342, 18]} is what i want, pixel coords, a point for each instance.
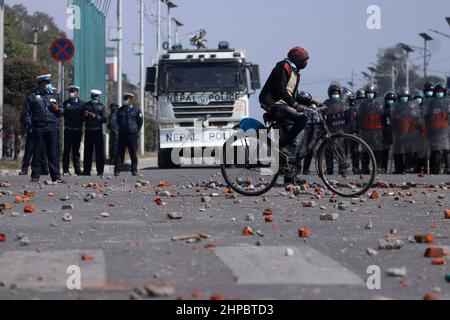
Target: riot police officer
{"type": "Point", "coordinates": [73, 130]}
{"type": "Point", "coordinates": [360, 96]}
{"type": "Point", "coordinates": [422, 155]}
{"type": "Point", "coordinates": [406, 122]}
{"type": "Point", "coordinates": [41, 114]}
{"type": "Point", "coordinates": [94, 119]}
{"type": "Point", "coordinates": [130, 120]}
{"type": "Point", "coordinates": [113, 127]}
{"type": "Point", "coordinates": [436, 117]}
{"type": "Point", "coordinates": [339, 119]}
{"type": "Point", "coordinates": [428, 90]}
{"type": "Point", "coordinates": [370, 124]}
{"type": "Point", "coordinates": [390, 99]}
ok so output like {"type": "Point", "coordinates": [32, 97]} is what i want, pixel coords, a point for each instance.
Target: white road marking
{"type": "Point", "coordinates": [254, 265]}
{"type": "Point", "coordinates": [46, 271]}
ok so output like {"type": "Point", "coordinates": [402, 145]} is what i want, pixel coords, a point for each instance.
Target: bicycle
{"type": "Point", "coordinates": [250, 165]}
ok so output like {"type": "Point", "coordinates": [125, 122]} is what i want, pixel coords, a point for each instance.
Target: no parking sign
{"type": "Point", "coordinates": [62, 50]}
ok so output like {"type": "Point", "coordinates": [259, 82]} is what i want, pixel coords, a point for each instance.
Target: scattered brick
{"type": "Point", "coordinates": [304, 233]}
{"type": "Point", "coordinates": [424, 238]}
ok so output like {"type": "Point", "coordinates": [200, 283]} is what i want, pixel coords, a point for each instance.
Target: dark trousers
{"type": "Point", "coordinates": [422, 165]}
{"type": "Point", "coordinates": [28, 155]}
{"type": "Point", "coordinates": [127, 141]}
{"type": "Point", "coordinates": [46, 142]}
{"type": "Point", "coordinates": [113, 146]}
{"type": "Point", "coordinates": [72, 142]}
{"type": "Point", "coordinates": [405, 163]}
{"type": "Point", "coordinates": [438, 157]}
{"type": "Point", "coordinates": [94, 141]}
{"type": "Point", "coordinates": [344, 152]}
{"type": "Point", "coordinates": [298, 120]}
{"type": "Point", "coordinates": [381, 157]}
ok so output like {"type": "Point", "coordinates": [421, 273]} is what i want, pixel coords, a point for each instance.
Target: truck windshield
{"type": "Point", "coordinates": [202, 77]}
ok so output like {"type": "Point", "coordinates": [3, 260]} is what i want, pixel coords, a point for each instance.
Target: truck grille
{"type": "Point", "coordinates": [183, 111]}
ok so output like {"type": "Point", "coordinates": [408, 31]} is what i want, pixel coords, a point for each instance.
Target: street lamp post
{"type": "Point", "coordinates": [119, 50]}
{"type": "Point", "coordinates": [2, 56]}
{"type": "Point", "coordinates": [408, 50]}
{"type": "Point", "coordinates": [426, 38]}
{"type": "Point", "coordinates": [170, 6]}
{"type": "Point", "coordinates": [142, 75]}
{"type": "Point", "coordinates": [178, 24]}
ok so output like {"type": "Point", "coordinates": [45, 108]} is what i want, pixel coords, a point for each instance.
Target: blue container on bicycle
{"type": "Point", "coordinates": [249, 125]}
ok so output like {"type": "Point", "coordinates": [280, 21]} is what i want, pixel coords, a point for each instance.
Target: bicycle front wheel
{"type": "Point", "coordinates": [347, 165]}
{"type": "Point", "coordinates": [247, 165]}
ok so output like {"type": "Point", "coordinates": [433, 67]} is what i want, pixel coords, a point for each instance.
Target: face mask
{"type": "Point", "coordinates": [439, 94]}
{"type": "Point", "coordinates": [390, 102]}
{"type": "Point", "coordinates": [335, 97]}
{"type": "Point", "coordinates": [419, 100]}
{"type": "Point", "coordinates": [429, 94]}
{"type": "Point", "coordinates": [404, 99]}
{"type": "Point", "coordinates": [72, 95]}
{"type": "Point", "coordinates": [48, 88]}
{"type": "Point", "coordinates": [94, 100]}
{"type": "Point", "coordinates": [303, 65]}
{"type": "Point", "coordinates": [371, 96]}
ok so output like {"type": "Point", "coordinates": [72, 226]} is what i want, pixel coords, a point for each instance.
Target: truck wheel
{"type": "Point", "coordinates": [165, 159]}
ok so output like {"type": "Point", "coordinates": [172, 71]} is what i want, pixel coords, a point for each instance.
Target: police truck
{"type": "Point", "coordinates": [201, 94]}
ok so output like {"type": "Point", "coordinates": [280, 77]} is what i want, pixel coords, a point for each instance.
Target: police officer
{"type": "Point", "coordinates": [428, 89]}
{"type": "Point", "coordinates": [370, 124]}
{"type": "Point", "coordinates": [360, 96]}
{"type": "Point", "coordinates": [130, 121]}
{"type": "Point", "coordinates": [339, 118]}
{"type": "Point", "coordinates": [73, 130]}
{"type": "Point", "coordinates": [41, 114]}
{"type": "Point", "coordinates": [94, 119]}
{"type": "Point", "coordinates": [113, 127]}
{"type": "Point", "coordinates": [390, 98]}
{"type": "Point", "coordinates": [436, 117]}
{"type": "Point", "coordinates": [422, 155]}
{"type": "Point", "coordinates": [406, 122]}
{"type": "Point", "coordinates": [28, 155]}
{"type": "Point", "coordinates": [310, 134]}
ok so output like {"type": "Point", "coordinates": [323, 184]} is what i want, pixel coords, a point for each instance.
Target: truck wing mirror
{"type": "Point", "coordinates": [254, 76]}
{"type": "Point", "coordinates": [150, 83]}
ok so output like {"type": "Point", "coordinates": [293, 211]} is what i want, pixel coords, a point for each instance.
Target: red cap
{"type": "Point", "coordinates": [298, 54]}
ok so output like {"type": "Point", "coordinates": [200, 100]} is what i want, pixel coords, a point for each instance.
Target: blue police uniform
{"type": "Point", "coordinates": [130, 120]}
{"type": "Point", "coordinates": [73, 133]}
{"type": "Point", "coordinates": [43, 123]}
{"type": "Point", "coordinates": [94, 137]}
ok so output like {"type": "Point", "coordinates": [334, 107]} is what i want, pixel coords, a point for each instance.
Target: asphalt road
{"type": "Point", "coordinates": [131, 246]}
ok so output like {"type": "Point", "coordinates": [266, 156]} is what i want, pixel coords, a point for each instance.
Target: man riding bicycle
{"type": "Point", "coordinates": [280, 97]}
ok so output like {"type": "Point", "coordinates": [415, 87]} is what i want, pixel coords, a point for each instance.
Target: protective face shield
{"type": "Point", "coordinates": [404, 99]}
{"type": "Point", "coordinates": [429, 94]}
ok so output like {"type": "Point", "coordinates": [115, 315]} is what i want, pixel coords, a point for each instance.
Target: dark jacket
{"type": "Point", "coordinates": [130, 120]}
{"type": "Point", "coordinates": [37, 111]}
{"type": "Point", "coordinates": [73, 113]}
{"type": "Point", "coordinates": [276, 87]}
{"type": "Point", "coordinates": [113, 124]}
{"type": "Point", "coordinates": [100, 116]}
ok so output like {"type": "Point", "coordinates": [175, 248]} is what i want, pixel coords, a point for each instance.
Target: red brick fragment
{"type": "Point", "coordinates": [424, 238]}
{"type": "Point", "coordinates": [438, 261]}
{"type": "Point", "coordinates": [304, 233]}
{"type": "Point", "coordinates": [2, 237]}
{"type": "Point", "coordinates": [374, 195]}
{"type": "Point", "coordinates": [430, 297]}
{"type": "Point", "coordinates": [434, 252]}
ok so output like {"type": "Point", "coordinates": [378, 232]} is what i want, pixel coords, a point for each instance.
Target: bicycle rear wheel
{"type": "Point", "coordinates": [347, 165]}
{"type": "Point", "coordinates": [248, 166]}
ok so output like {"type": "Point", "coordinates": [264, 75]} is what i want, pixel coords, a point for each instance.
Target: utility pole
{"type": "Point", "coordinates": [119, 50]}
{"type": "Point", "coordinates": [178, 24]}
{"type": "Point", "coordinates": [393, 77]}
{"type": "Point", "coordinates": [425, 38]}
{"type": "Point", "coordinates": [2, 56]}
{"type": "Point", "coordinates": [35, 43]}
{"type": "Point", "coordinates": [158, 29]}
{"type": "Point", "coordinates": [142, 74]}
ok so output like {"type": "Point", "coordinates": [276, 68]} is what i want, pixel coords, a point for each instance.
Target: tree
{"type": "Point", "coordinates": [19, 79]}
{"type": "Point", "coordinates": [395, 56]}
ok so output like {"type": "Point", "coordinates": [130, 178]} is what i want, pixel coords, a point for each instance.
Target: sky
{"type": "Point", "coordinates": [334, 32]}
